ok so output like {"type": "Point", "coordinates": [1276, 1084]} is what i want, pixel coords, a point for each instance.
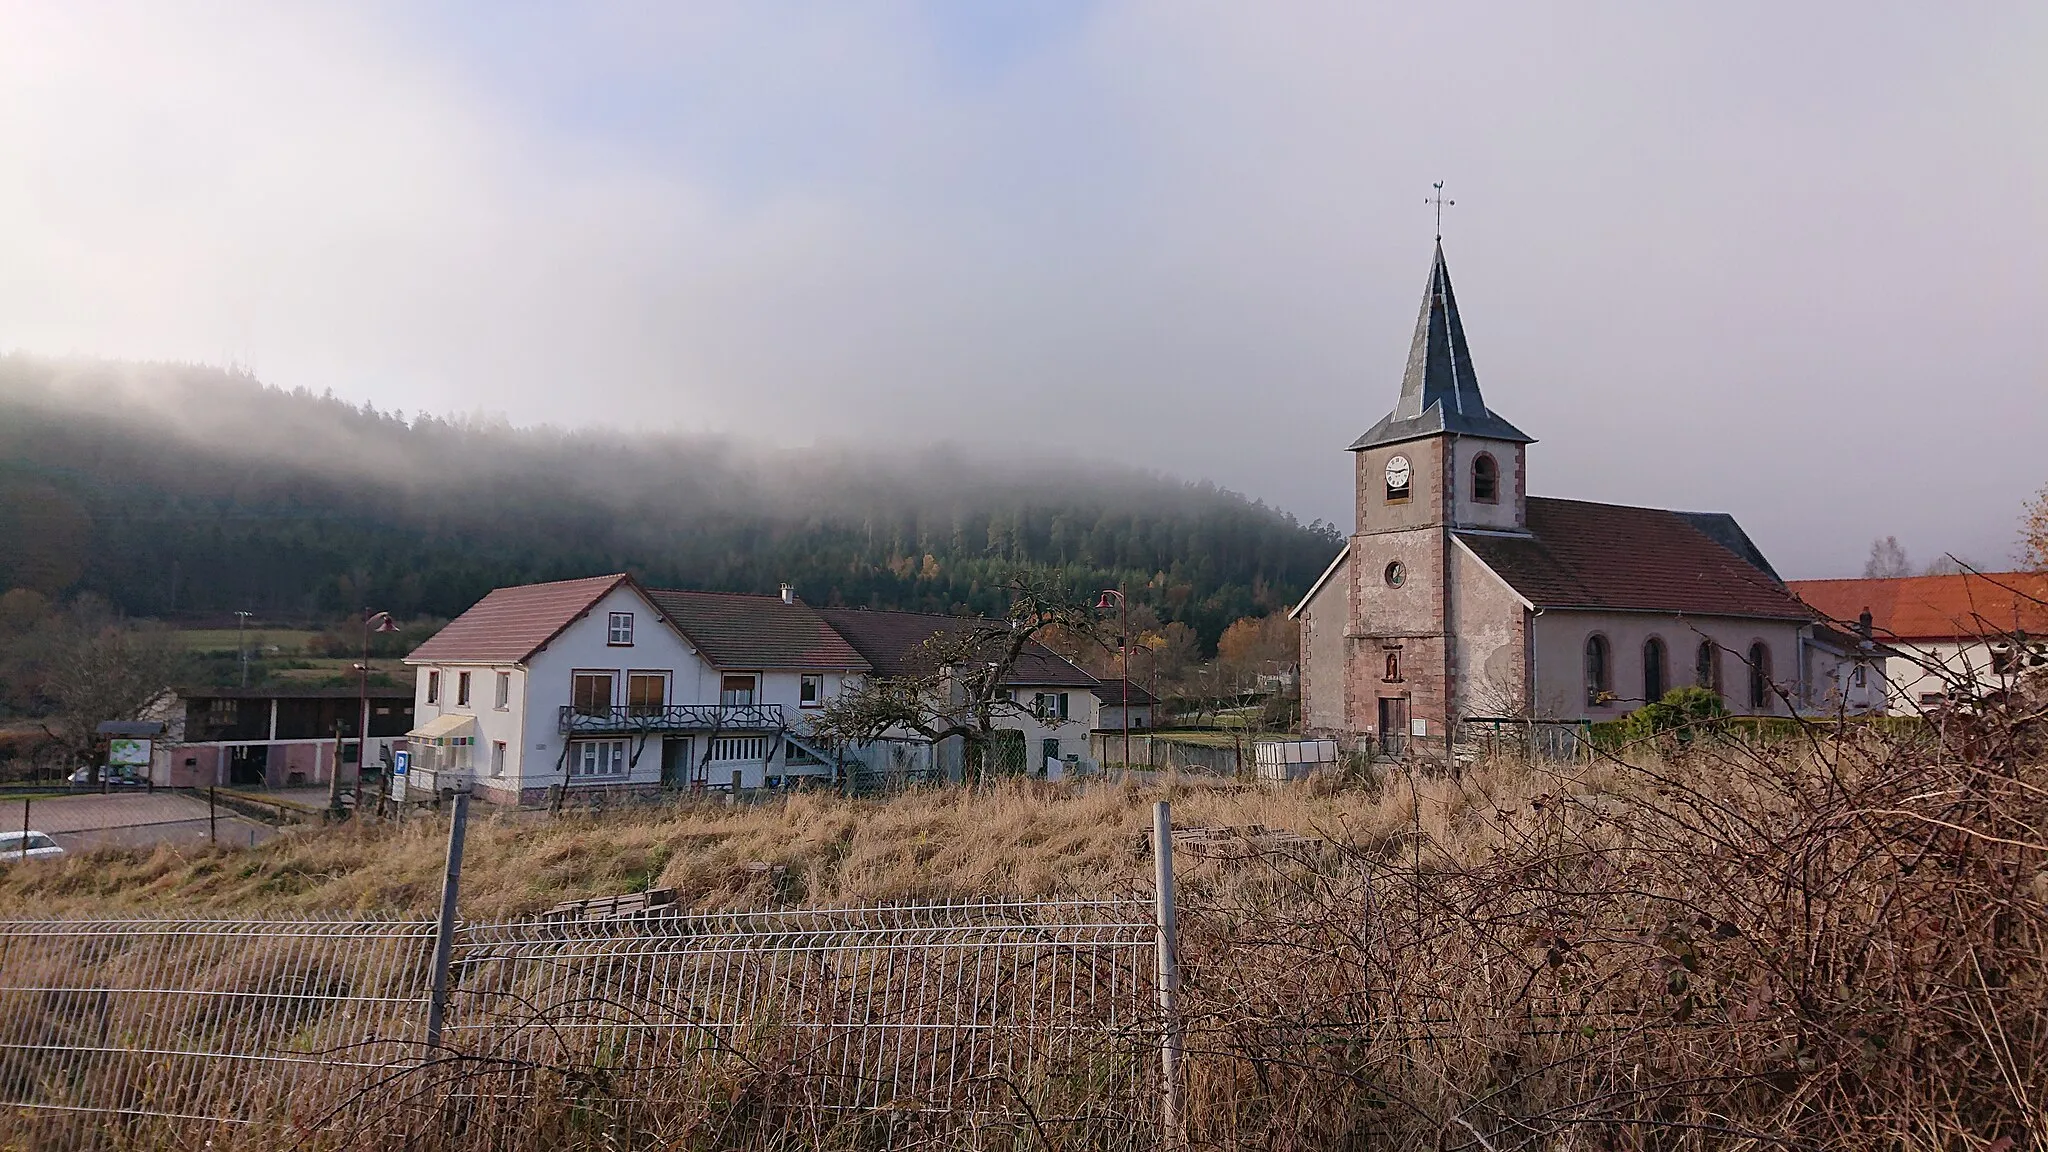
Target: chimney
{"type": "Point", "coordinates": [1863, 624]}
{"type": "Point", "coordinates": [788, 594]}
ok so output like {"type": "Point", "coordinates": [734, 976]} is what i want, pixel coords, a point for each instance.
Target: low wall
{"type": "Point", "coordinates": [1160, 751]}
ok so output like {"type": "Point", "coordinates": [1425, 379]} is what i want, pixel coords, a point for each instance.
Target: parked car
{"type": "Point", "coordinates": [39, 846]}
{"type": "Point", "coordinates": [115, 778]}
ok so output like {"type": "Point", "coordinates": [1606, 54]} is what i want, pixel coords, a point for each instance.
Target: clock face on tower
{"type": "Point", "coordinates": [1397, 472]}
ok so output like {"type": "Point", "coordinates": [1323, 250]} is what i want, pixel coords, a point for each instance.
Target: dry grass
{"type": "Point", "coordinates": [1835, 945]}
{"type": "Point", "coordinates": [1015, 839]}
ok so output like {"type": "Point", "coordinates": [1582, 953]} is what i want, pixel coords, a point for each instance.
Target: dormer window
{"type": "Point", "coordinates": [1485, 479]}
{"type": "Point", "coordinates": [619, 630]}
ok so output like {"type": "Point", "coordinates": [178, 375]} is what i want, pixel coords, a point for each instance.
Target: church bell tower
{"type": "Point", "coordinates": [1439, 461]}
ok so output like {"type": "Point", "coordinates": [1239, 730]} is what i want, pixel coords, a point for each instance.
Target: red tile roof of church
{"type": "Point", "coordinates": [1612, 557]}
{"type": "Point", "coordinates": [1963, 606]}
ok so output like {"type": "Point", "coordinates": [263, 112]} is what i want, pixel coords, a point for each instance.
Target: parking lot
{"type": "Point", "coordinates": [132, 820]}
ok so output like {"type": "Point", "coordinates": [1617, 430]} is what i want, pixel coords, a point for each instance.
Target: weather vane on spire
{"type": "Point", "coordinates": [1439, 201]}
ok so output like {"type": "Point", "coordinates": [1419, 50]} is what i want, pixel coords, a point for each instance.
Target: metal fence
{"type": "Point", "coordinates": [959, 1013]}
{"type": "Point", "coordinates": [203, 1020]}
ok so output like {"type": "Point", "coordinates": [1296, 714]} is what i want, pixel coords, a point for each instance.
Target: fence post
{"type": "Point", "coordinates": [24, 827]}
{"type": "Point", "coordinates": [444, 932]}
{"type": "Point", "coordinates": [1167, 948]}
{"type": "Point", "coordinates": [212, 828]}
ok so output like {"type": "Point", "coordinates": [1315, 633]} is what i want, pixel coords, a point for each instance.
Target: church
{"type": "Point", "coordinates": [1460, 597]}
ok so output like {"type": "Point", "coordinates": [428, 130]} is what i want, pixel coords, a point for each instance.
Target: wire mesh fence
{"type": "Point", "coordinates": [933, 1017]}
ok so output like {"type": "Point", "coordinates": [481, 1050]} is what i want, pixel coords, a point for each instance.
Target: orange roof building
{"type": "Point", "coordinates": [1953, 636]}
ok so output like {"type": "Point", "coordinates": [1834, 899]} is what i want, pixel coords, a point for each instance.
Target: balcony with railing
{"type": "Point", "coordinates": [577, 721]}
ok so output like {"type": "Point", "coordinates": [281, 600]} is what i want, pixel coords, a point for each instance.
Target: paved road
{"type": "Point", "coordinates": [133, 819]}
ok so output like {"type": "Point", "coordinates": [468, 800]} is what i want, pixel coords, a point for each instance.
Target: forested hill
{"type": "Point", "coordinates": [180, 491]}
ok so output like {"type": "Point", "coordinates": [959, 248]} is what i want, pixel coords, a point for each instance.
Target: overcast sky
{"type": "Point", "coordinates": [1787, 261]}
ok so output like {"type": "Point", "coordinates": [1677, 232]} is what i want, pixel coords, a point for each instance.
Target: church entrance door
{"type": "Point", "coordinates": [1393, 725]}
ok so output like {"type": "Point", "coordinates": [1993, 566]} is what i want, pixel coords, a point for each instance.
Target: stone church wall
{"type": "Point", "coordinates": [1490, 648]}
{"type": "Point", "coordinates": [1323, 622]}
{"type": "Point", "coordinates": [1561, 655]}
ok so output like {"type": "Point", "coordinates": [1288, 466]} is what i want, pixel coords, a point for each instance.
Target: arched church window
{"type": "Point", "coordinates": [1485, 479]}
{"type": "Point", "coordinates": [1706, 666]}
{"type": "Point", "coordinates": [1656, 681]}
{"type": "Point", "coordinates": [1759, 676]}
{"type": "Point", "coordinates": [1599, 678]}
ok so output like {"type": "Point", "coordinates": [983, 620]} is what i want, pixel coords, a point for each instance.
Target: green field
{"type": "Point", "coordinates": [287, 641]}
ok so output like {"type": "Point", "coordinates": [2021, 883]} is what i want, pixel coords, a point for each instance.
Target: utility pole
{"type": "Point", "coordinates": [242, 644]}
{"type": "Point", "coordinates": [1123, 647]}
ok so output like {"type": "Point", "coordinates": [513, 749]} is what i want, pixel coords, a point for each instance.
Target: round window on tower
{"type": "Point", "coordinates": [1397, 574]}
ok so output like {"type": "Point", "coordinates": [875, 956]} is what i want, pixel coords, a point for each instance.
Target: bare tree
{"type": "Point", "coordinates": [1949, 564]}
{"type": "Point", "coordinates": [99, 669]}
{"type": "Point", "coordinates": [2034, 533]}
{"type": "Point", "coordinates": [957, 683]}
{"type": "Point", "coordinates": [1887, 560]}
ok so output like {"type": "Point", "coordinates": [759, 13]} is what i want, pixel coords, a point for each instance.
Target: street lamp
{"type": "Point", "coordinates": [372, 622]}
{"type": "Point", "coordinates": [1123, 647]}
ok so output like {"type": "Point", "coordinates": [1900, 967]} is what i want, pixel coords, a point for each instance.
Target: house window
{"type": "Point", "coordinates": [739, 750]}
{"type": "Point", "coordinates": [1857, 679]}
{"type": "Point", "coordinates": [1706, 666]}
{"type": "Point", "coordinates": [597, 759]}
{"type": "Point", "coordinates": [646, 693]}
{"type": "Point", "coordinates": [433, 686]}
{"type": "Point", "coordinates": [618, 631]}
{"type": "Point", "coordinates": [1759, 676]}
{"type": "Point", "coordinates": [1599, 677]}
{"type": "Point", "coordinates": [1656, 681]}
{"type": "Point", "coordinates": [462, 689]}
{"type": "Point", "coordinates": [1051, 706]}
{"type": "Point", "coordinates": [592, 693]}
{"type": "Point", "coordinates": [1393, 673]}
{"type": "Point", "coordinates": [503, 697]}
{"type": "Point", "coordinates": [810, 690]}
{"type": "Point", "coordinates": [497, 758]}
{"type": "Point", "coordinates": [736, 690]}
{"type": "Point", "coordinates": [1485, 479]}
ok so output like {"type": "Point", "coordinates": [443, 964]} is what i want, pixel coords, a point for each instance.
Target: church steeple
{"type": "Point", "coordinates": [1439, 391]}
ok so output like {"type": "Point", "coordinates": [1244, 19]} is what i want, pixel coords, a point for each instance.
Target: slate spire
{"type": "Point", "coordinates": [1439, 364]}
{"type": "Point", "coordinates": [1439, 390]}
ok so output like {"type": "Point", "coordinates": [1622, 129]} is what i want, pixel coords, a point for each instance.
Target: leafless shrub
{"type": "Point", "coordinates": [1834, 944]}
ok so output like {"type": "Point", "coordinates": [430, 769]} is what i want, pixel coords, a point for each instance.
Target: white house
{"type": "Point", "coordinates": [1967, 632]}
{"type": "Point", "coordinates": [1056, 698]}
{"type": "Point", "coordinates": [603, 683]}
{"type": "Point", "coordinates": [1111, 697]}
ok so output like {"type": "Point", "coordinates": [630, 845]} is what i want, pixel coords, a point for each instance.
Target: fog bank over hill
{"type": "Point", "coordinates": [181, 489]}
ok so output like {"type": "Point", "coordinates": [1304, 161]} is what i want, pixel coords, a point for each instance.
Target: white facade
{"type": "Point", "coordinates": [1053, 732]}
{"type": "Point", "coordinates": [521, 749]}
{"type": "Point", "coordinates": [1922, 673]}
{"type": "Point", "coordinates": [620, 697]}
